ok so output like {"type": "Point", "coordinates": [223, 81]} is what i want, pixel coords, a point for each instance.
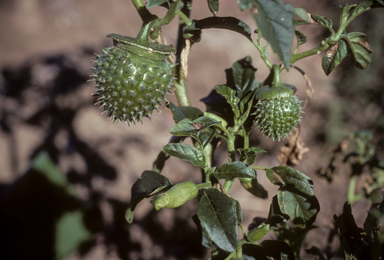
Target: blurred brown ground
{"type": "Point", "coordinates": [44, 37]}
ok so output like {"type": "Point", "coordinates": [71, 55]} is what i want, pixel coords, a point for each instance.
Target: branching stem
{"type": "Point", "coordinates": [141, 9]}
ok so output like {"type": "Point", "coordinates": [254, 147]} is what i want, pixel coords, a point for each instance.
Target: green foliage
{"type": "Point", "coordinates": [232, 109]}
{"type": "Point", "coordinates": [219, 228]}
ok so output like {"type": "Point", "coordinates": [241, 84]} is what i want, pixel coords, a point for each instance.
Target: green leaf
{"type": "Point", "coordinates": [360, 48]}
{"type": "Point", "coordinates": [323, 21]}
{"type": "Point", "coordinates": [295, 196]}
{"type": "Point", "coordinates": [148, 182]}
{"type": "Point", "coordinates": [205, 137]}
{"type": "Point", "coordinates": [153, 3]}
{"type": "Point", "coordinates": [213, 6]}
{"type": "Point", "coordinates": [334, 56]}
{"type": "Point", "coordinates": [219, 217]}
{"type": "Point", "coordinates": [274, 20]}
{"type": "Point", "coordinates": [230, 95]}
{"type": "Point", "coordinates": [250, 154]}
{"type": "Point", "coordinates": [178, 115]}
{"type": "Point", "coordinates": [232, 170]}
{"type": "Point", "coordinates": [243, 75]}
{"type": "Point", "coordinates": [182, 112]}
{"type": "Point", "coordinates": [158, 165]}
{"type": "Point", "coordinates": [186, 152]}
{"type": "Point", "coordinates": [304, 15]}
{"type": "Point", "coordinates": [258, 233]}
{"type": "Point", "coordinates": [299, 22]}
{"type": "Point", "coordinates": [301, 37]}
{"type": "Point", "coordinates": [361, 7]}
{"type": "Point", "coordinates": [246, 103]}
{"type": "Point", "coordinates": [187, 127]}
{"type": "Point", "coordinates": [206, 240]}
{"type": "Point", "coordinates": [191, 112]}
{"type": "Point", "coordinates": [255, 188]}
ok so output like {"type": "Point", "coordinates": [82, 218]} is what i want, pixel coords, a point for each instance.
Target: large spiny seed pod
{"type": "Point", "coordinates": [133, 78]}
{"type": "Point", "coordinates": [278, 110]}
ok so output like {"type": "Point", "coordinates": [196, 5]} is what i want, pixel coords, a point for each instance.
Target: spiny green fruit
{"type": "Point", "coordinates": [278, 116]}
{"type": "Point", "coordinates": [176, 196]}
{"type": "Point", "coordinates": [278, 110]}
{"type": "Point", "coordinates": [133, 78]}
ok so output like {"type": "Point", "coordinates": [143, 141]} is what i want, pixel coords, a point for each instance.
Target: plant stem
{"type": "Point", "coordinates": [171, 13]}
{"type": "Point", "coordinates": [231, 158]}
{"type": "Point", "coordinates": [239, 250]}
{"type": "Point", "coordinates": [263, 54]}
{"type": "Point", "coordinates": [180, 87]}
{"type": "Point", "coordinates": [343, 26]}
{"type": "Point", "coordinates": [327, 42]}
{"type": "Point", "coordinates": [204, 185]}
{"type": "Point", "coordinates": [183, 17]}
{"type": "Point", "coordinates": [322, 47]}
{"type": "Point", "coordinates": [141, 9]}
{"type": "Point", "coordinates": [352, 197]}
{"type": "Point", "coordinates": [246, 138]}
{"type": "Point", "coordinates": [259, 168]}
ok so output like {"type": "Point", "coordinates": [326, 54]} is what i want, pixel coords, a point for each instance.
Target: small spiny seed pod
{"type": "Point", "coordinates": [278, 110]}
{"type": "Point", "coordinates": [176, 196]}
{"type": "Point", "coordinates": [133, 78]}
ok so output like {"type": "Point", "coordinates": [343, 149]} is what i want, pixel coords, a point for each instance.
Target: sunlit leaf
{"type": "Point", "coordinates": [274, 21]}
{"type": "Point", "coordinates": [186, 152]}
{"type": "Point", "coordinates": [232, 170]}
{"type": "Point", "coordinates": [187, 127]}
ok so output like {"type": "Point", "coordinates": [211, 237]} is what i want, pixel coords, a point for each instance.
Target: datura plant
{"type": "Point", "coordinates": [134, 76]}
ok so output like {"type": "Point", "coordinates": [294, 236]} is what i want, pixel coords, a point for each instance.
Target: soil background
{"type": "Point", "coordinates": [46, 48]}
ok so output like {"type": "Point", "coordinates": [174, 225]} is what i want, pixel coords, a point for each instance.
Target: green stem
{"type": "Point", "coordinates": [169, 16]}
{"type": "Point", "coordinates": [352, 197]}
{"type": "Point", "coordinates": [231, 158]}
{"type": "Point", "coordinates": [238, 253]}
{"type": "Point", "coordinates": [180, 87]}
{"type": "Point", "coordinates": [142, 37]}
{"type": "Point", "coordinates": [246, 137]}
{"type": "Point", "coordinates": [344, 26]}
{"type": "Point", "coordinates": [327, 42]}
{"type": "Point", "coordinates": [141, 9]}
{"type": "Point", "coordinates": [263, 54]}
{"type": "Point", "coordinates": [181, 90]}
{"type": "Point", "coordinates": [276, 76]}
{"type": "Point", "coordinates": [260, 168]}
{"type": "Point", "coordinates": [183, 17]}
{"type": "Point", "coordinates": [204, 185]}
{"type": "Point", "coordinates": [322, 47]}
